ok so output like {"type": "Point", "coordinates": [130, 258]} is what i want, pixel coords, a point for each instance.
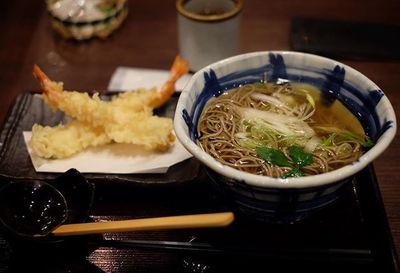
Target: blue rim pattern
{"type": "Point", "coordinates": [330, 81]}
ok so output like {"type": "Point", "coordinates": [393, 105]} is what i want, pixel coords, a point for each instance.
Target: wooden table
{"type": "Point", "coordinates": [148, 39]}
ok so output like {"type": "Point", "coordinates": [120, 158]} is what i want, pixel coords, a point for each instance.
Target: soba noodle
{"type": "Point", "coordinates": [233, 126]}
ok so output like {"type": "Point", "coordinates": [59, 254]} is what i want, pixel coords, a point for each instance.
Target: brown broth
{"type": "Point", "coordinates": [337, 112]}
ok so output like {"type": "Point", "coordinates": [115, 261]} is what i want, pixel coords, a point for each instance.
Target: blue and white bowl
{"type": "Point", "coordinates": [285, 199]}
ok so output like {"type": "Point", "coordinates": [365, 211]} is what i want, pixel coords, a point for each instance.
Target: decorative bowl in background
{"type": "Point", "coordinates": [85, 19]}
{"type": "Point", "coordinates": [285, 200]}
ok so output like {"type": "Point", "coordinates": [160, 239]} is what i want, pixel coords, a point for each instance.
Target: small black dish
{"type": "Point", "coordinates": [31, 208]}
{"type": "Point", "coordinates": [77, 194]}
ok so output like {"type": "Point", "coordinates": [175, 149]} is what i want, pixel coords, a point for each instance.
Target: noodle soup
{"type": "Point", "coordinates": [279, 153]}
{"type": "Point", "coordinates": [280, 130]}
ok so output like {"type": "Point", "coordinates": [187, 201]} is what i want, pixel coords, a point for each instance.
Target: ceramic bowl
{"type": "Point", "coordinates": [285, 199]}
{"type": "Point", "coordinates": [83, 19]}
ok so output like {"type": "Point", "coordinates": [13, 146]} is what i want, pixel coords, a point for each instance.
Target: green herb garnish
{"type": "Point", "coordinates": [276, 157]}
{"type": "Point", "coordinates": [273, 156]}
{"type": "Point", "coordinates": [299, 156]}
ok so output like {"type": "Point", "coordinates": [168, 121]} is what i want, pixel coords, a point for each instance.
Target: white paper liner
{"type": "Point", "coordinates": [112, 158]}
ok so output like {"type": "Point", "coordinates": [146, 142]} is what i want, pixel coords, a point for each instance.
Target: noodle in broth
{"type": "Point", "coordinates": [278, 117]}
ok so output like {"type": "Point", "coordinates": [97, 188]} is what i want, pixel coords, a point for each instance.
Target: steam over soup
{"type": "Point", "coordinates": [280, 130]}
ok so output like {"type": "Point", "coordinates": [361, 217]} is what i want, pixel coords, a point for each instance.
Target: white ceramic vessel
{"type": "Point", "coordinates": [285, 199]}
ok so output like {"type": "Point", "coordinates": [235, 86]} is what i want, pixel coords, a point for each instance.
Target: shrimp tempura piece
{"type": "Point", "coordinates": [128, 118]}
{"type": "Point", "coordinates": [65, 140]}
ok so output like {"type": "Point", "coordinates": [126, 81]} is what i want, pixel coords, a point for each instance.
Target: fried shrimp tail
{"type": "Point", "coordinates": [40, 76]}
{"type": "Point", "coordinates": [52, 91]}
{"type": "Point", "coordinates": [153, 98]}
{"type": "Point", "coordinates": [79, 105]}
{"type": "Point", "coordinates": [179, 68]}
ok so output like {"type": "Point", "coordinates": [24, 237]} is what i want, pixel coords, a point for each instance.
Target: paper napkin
{"type": "Point", "coordinates": [128, 78]}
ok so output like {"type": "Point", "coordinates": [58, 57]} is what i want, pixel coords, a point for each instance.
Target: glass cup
{"type": "Point", "coordinates": [208, 30]}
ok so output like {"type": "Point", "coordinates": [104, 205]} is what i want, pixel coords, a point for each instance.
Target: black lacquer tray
{"type": "Point", "coordinates": [351, 235]}
{"type": "Point", "coordinates": [29, 109]}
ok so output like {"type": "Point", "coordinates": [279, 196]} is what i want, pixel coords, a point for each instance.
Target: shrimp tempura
{"type": "Point", "coordinates": [128, 118]}
{"type": "Point", "coordinates": [65, 140]}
